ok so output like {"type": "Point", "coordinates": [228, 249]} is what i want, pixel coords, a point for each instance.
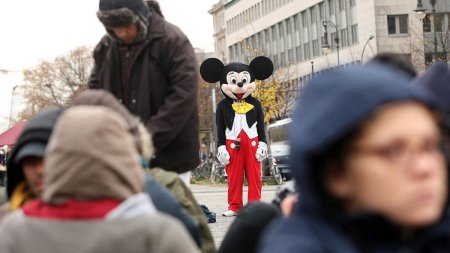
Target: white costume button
{"type": "Point", "coordinates": [253, 143]}
{"type": "Point", "coordinates": [232, 145]}
{"type": "Point", "coordinates": [134, 101]}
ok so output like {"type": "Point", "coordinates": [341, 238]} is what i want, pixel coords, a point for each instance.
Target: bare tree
{"type": "Point", "coordinates": [57, 82]}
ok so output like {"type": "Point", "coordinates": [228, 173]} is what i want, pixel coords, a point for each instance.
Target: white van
{"type": "Point", "coordinates": [279, 145]}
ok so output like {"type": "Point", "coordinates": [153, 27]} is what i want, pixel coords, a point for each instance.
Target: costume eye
{"type": "Point", "coordinates": [244, 80]}
{"type": "Point", "coordinates": [233, 80]}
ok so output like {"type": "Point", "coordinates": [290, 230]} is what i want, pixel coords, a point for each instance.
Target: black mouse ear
{"type": "Point", "coordinates": [262, 67]}
{"type": "Point", "coordinates": [211, 70]}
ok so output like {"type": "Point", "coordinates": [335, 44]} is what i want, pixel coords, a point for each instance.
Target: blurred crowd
{"type": "Point", "coordinates": [368, 153]}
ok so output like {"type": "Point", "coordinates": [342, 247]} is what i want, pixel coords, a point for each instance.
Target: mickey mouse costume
{"type": "Point", "coordinates": [240, 125]}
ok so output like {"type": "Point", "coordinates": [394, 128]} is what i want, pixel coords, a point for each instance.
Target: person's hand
{"type": "Point", "coordinates": [288, 204]}
{"type": "Point", "coordinates": [261, 152]}
{"type": "Point", "coordinates": [222, 155]}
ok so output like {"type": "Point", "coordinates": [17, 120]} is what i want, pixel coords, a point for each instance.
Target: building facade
{"type": "Point", "coordinates": [293, 33]}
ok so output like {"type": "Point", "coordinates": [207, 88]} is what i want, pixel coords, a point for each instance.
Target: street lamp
{"type": "Point", "coordinates": [325, 45]}
{"type": "Point", "coordinates": [11, 107]}
{"type": "Point", "coordinates": [364, 48]}
{"type": "Point", "coordinates": [421, 12]}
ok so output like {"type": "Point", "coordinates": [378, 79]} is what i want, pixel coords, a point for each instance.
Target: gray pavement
{"type": "Point", "coordinates": [215, 198]}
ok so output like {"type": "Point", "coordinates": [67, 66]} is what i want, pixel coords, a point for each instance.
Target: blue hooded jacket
{"type": "Point", "coordinates": [332, 106]}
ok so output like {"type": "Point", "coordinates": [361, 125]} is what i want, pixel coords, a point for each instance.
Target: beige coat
{"type": "Point", "coordinates": [91, 155]}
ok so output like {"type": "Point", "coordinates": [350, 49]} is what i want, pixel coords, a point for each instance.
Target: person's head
{"type": "Point", "coordinates": [367, 142]}
{"type": "Point", "coordinates": [392, 165]}
{"type": "Point", "coordinates": [397, 62]}
{"type": "Point", "coordinates": [91, 155]}
{"type": "Point", "coordinates": [124, 20]}
{"type": "Point", "coordinates": [26, 161]}
{"type": "Point", "coordinates": [141, 136]}
{"type": "Point", "coordinates": [31, 158]}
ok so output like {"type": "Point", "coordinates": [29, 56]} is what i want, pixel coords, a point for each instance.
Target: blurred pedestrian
{"type": "Point", "coordinates": [367, 157]}
{"type": "Point", "coordinates": [150, 66]}
{"type": "Point", "coordinates": [25, 168]}
{"type": "Point", "coordinates": [400, 63]}
{"type": "Point", "coordinates": [179, 202]}
{"type": "Point", "coordinates": [93, 199]}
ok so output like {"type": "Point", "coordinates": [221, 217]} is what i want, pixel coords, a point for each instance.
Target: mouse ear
{"type": "Point", "coordinates": [211, 70]}
{"type": "Point", "coordinates": [262, 67]}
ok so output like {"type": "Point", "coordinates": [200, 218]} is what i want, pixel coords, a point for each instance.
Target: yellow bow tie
{"type": "Point", "coordinates": [242, 107]}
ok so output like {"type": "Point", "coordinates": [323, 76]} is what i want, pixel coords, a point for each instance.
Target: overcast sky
{"type": "Point", "coordinates": [36, 30]}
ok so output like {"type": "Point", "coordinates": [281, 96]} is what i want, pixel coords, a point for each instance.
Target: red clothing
{"type": "Point", "coordinates": [243, 160]}
{"type": "Point", "coordinates": [72, 209]}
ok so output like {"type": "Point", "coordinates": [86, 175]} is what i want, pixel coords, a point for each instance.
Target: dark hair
{"type": "Point", "coordinates": [396, 61]}
{"type": "Point", "coordinates": [153, 5]}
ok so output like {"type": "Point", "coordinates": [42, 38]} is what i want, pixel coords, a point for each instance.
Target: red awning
{"type": "Point", "coordinates": [9, 137]}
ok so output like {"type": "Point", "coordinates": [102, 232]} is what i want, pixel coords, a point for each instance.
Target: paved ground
{"type": "Point", "coordinates": [215, 198]}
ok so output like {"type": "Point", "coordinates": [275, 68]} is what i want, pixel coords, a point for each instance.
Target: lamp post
{"type": "Point", "coordinates": [11, 107]}
{"type": "Point", "coordinates": [421, 12]}
{"type": "Point", "coordinates": [364, 48]}
{"type": "Point", "coordinates": [325, 45]}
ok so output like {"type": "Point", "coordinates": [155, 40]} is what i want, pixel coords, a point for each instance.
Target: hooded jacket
{"type": "Point", "coordinates": [159, 85]}
{"type": "Point", "coordinates": [38, 129]}
{"type": "Point", "coordinates": [331, 107]}
{"type": "Point", "coordinates": [163, 199]}
{"type": "Point", "coordinates": [92, 158]}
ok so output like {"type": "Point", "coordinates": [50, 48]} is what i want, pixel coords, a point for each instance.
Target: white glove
{"type": "Point", "coordinates": [222, 155]}
{"type": "Point", "coordinates": [261, 152]}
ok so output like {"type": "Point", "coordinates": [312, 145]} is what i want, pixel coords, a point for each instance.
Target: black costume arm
{"type": "Point", "coordinates": [260, 120]}
{"type": "Point", "coordinates": [220, 124]}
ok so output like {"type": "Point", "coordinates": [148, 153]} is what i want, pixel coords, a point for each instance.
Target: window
{"type": "Point", "coordinates": [427, 24]}
{"type": "Point", "coordinates": [397, 24]}
{"type": "Point", "coordinates": [322, 10]}
{"type": "Point", "coordinates": [307, 52]}
{"type": "Point", "coordinates": [439, 22]}
{"type": "Point", "coordinates": [316, 50]}
{"type": "Point", "coordinates": [355, 34]}
{"type": "Point", "coordinates": [344, 38]}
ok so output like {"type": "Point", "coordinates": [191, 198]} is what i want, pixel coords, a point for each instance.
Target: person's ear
{"type": "Point", "coordinates": [339, 183]}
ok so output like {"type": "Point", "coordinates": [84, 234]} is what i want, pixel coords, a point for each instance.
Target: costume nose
{"type": "Point", "coordinates": [240, 84]}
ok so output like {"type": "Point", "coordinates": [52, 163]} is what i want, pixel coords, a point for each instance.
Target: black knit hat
{"type": "Point", "coordinates": [37, 131]}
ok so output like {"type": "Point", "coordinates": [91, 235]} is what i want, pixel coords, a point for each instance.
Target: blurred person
{"type": "Point", "coordinates": [398, 62]}
{"type": "Point", "coordinates": [250, 223]}
{"type": "Point", "coordinates": [367, 157]}
{"type": "Point", "coordinates": [168, 192]}
{"type": "Point", "coordinates": [93, 199]}
{"type": "Point", "coordinates": [150, 66]}
{"type": "Point", "coordinates": [25, 168]}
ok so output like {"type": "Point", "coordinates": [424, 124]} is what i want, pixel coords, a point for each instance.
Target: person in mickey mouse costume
{"type": "Point", "coordinates": [241, 138]}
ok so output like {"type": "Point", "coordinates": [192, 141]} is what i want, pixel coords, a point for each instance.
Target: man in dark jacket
{"type": "Point", "coordinates": [150, 66]}
{"type": "Point", "coordinates": [25, 168]}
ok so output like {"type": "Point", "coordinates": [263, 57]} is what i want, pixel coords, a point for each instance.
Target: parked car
{"type": "Point", "coordinates": [279, 145]}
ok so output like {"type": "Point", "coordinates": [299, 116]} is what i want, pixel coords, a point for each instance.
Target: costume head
{"type": "Point", "coordinates": [237, 80]}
